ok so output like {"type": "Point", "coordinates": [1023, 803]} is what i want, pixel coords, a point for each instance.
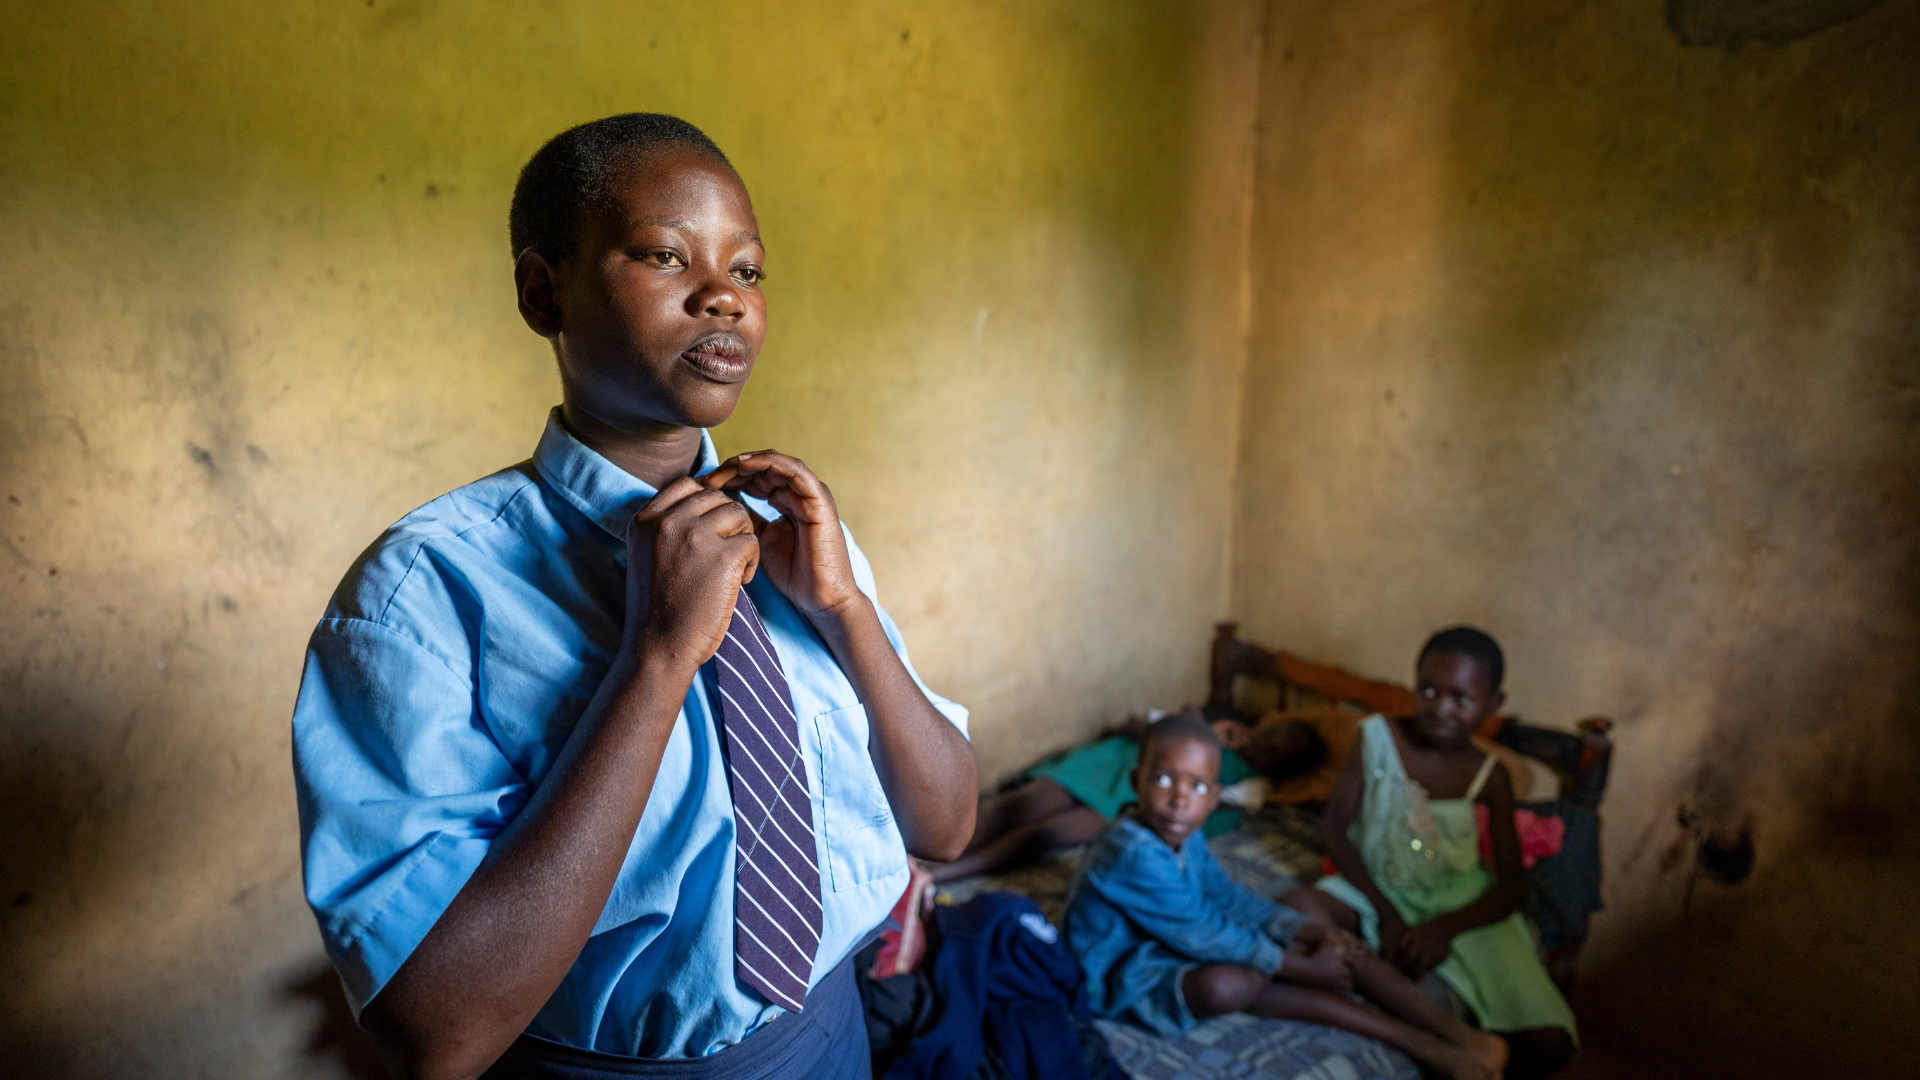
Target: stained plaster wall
{"type": "Point", "coordinates": [1610, 345]}
{"type": "Point", "coordinates": [257, 305]}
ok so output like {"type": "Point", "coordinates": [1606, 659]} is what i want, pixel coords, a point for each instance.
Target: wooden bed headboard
{"type": "Point", "coordinates": [1582, 759]}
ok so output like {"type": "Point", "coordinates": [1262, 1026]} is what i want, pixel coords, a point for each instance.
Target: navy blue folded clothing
{"type": "Point", "coordinates": [998, 996]}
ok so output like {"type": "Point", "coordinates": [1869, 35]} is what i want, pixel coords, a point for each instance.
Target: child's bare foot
{"type": "Point", "coordinates": [1488, 1049]}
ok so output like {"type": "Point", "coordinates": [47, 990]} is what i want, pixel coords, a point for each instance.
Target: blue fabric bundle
{"type": "Point", "coordinates": [1007, 984]}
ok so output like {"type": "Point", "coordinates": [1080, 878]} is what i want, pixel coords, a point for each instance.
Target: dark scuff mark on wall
{"type": "Point", "coordinates": [1733, 23]}
{"type": "Point", "coordinates": [192, 360]}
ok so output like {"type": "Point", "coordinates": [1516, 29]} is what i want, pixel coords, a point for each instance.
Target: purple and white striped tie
{"type": "Point", "coordinates": [776, 892]}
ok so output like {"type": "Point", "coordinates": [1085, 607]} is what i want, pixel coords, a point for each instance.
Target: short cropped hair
{"type": "Point", "coordinates": [1285, 750]}
{"type": "Point", "coordinates": [1178, 725]}
{"type": "Point", "coordinates": [577, 169]}
{"type": "Point", "coordinates": [1470, 642]}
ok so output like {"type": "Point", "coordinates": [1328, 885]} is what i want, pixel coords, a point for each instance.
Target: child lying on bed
{"type": "Point", "coordinates": [1067, 800]}
{"type": "Point", "coordinates": [1167, 939]}
{"type": "Point", "coordinates": [1401, 829]}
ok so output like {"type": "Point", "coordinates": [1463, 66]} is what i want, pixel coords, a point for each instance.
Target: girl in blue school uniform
{"type": "Point", "coordinates": [608, 763]}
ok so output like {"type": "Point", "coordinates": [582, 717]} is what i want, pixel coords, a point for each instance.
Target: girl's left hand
{"type": "Point", "coordinates": [803, 552]}
{"type": "Point", "coordinates": [1423, 948]}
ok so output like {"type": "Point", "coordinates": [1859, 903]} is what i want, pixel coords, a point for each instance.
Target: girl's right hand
{"type": "Point", "coordinates": [689, 550]}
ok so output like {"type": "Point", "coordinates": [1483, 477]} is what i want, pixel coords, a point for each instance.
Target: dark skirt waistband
{"type": "Point", "coordinates": [790, 1047]}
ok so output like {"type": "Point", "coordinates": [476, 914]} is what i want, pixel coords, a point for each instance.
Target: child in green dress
{"type": "Point", "coordinates": [1401, 830]}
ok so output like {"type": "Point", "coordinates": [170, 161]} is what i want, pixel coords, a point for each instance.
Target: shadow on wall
{"type": "Point", "coordinates": [337, 1037]}
{"type": "Point", "coordinates": [1688, 1004]}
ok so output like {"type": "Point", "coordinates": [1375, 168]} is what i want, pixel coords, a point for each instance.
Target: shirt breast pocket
{"type": "Point", "coordinates": [857, 828]}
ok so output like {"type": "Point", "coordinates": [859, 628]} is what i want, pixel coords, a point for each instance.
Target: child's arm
{"type": "Point", "coordinates": [1312, 958]}
{"type": "Point", "coordinates": [1342, 807]}
{"type": "Point", "coordinates": [1427, 944]}
{"type": "Point", "coordinates": [1148, 886]}
{"type": "Point", "coordinates": [1246, 907]}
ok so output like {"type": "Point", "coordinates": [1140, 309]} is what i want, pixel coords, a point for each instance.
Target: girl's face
{"type": "Point", "coordinates": [1177, 783]}
{"type": "Point", "coordinates": [661, 313]}
{"type": "Point", "coordinates": [1452, 698]}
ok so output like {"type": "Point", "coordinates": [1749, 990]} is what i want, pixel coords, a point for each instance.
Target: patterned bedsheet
{"type": "Point", "coordinates": [1249, 1048]}
{"type": "Point", "coordinates": [1268, 853]}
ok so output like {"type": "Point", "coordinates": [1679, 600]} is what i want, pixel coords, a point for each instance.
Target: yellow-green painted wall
{"type": "Point", "coordinates": [255, 304]}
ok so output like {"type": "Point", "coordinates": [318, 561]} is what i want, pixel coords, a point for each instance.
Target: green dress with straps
{"type": "Point", "coordinates": [1425, 855]}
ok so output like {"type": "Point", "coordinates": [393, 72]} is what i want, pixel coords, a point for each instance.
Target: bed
{"type": "Point", "coordinates": [1278, 846]}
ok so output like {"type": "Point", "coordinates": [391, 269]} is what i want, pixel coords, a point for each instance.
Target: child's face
{"type": "Point", "coordinates": [660, 314]}
{"type": "Point", "coordinates": [1452, 697]}
{"type": "Point", "coordinates": [1177, 783]}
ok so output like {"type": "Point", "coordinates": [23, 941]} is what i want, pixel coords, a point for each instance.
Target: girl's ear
{"type": "Point", "coordinates": [535, 280]}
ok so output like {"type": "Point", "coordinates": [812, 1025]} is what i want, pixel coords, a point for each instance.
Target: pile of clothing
{"type": "Point", "coordinates": [996, 996]}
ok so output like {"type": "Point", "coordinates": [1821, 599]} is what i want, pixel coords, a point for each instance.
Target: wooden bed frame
{"type": "Point", "coordinates": [1579, 758]}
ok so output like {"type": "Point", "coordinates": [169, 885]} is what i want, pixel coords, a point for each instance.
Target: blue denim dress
{"type": "Point", "coordinates": [1140, 915]}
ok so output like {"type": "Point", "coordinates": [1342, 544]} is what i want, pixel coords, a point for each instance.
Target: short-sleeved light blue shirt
{"type": "Point", "coordinates": [452, 664]}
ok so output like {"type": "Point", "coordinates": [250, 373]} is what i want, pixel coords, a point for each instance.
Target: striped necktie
{"type": "Point", "coordinates": [776, 889]}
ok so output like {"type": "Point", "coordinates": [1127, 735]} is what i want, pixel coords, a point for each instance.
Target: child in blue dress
{"type": "Point", "coordinates": [1167, 939]}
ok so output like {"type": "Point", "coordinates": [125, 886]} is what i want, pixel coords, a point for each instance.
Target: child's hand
{"type": "Point", "coordinates": [803, 552]}
{"type": "Point", "coordinates": [1313, 960]}
{"type": "Point", "coordinates": [1392, 929]}
{"type": "Point", "coordinates": [1422, 948]}
{"type": "Point", "coordinates": [1233, 734]}
{"type": "Point", "coordinates": [1345, 941]}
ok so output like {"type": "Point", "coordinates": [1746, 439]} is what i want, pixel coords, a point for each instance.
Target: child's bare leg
{"type": "Point", "coordinates": [1321, 906]}
{"type": "Point", "coordinates": [1384, 985]}
{"type": "Point", "coordinates": [1283, 1001]}
{"type": "Point", "coordinates": [1214, 989]}
{"type": "Point", "coordinates": [1024, 844]}
{"type": "Point", "coordinates": [1025, 804]}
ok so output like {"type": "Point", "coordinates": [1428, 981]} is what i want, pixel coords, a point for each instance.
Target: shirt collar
{"type": "Point", "coordinates": [596, 487]}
